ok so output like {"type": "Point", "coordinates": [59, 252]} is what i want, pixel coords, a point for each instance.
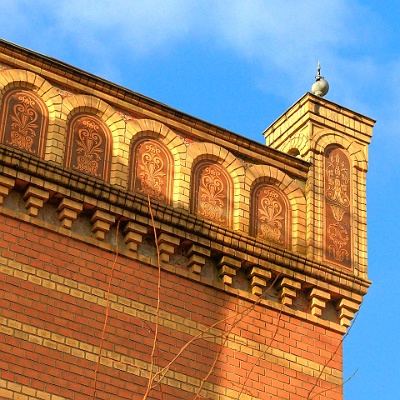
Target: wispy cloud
{"type": "Point", "coordinates": [285, 38]}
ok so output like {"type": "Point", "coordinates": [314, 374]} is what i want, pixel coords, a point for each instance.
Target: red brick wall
{"type": "Point", "coordinates": [53, 301]}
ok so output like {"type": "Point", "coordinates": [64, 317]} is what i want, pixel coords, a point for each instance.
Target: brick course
{"type": "Point", "coordinates": [238, 314]}
{"type": "Point", "coordinates": [53, 313]}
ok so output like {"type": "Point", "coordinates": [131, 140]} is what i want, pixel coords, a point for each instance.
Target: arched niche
{"type": "Point", "coordinates": [338, 201]}
{"type": "Point", "coordinates": [152, 169]}
{"type": "Point", "coordinates": [212, 193]}
{"type": "Point", "coordinates": [271, 216]}
{"type": "Point", "coordinates": [24, 121]}
{"type": "Point", "coordinates": [88, 146]}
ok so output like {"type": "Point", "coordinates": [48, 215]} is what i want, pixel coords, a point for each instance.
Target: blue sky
{"type": "Point", "coordinates": [240, 64]}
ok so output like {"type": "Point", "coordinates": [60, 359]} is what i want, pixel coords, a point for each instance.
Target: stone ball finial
{"type": "Point", "coordinates": [320, 87]}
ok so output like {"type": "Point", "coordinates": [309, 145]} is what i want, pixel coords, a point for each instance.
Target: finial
{"type": "Point", "coordinates": [320, 87]}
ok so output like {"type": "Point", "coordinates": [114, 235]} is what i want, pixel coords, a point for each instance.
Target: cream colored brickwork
{"type": "Point", "coordinates": [146, 313]}
{"type": "Point", "coordinates": [306, 130]}
{"type": "Point", "coordinates": [124, 133]}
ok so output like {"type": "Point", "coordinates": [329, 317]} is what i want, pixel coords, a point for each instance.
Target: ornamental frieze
{"type": "Point", "coordinates": [337, 206]}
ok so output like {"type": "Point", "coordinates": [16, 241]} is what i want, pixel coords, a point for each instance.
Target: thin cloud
{"type": "Point", "coordinates": [285, 39]}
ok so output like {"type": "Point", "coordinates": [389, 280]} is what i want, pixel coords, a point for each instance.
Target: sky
{"type": "Point", "coordinates": [240, 64]}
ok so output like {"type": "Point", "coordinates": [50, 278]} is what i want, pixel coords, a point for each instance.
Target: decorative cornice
{"type": "Point", "coordinates": [72, 78]}
{"type": "Point", "coordinates": [97, 194]}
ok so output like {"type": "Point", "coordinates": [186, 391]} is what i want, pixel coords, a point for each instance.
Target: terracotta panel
{"type": "Point", "coordinates": [271, 217]}
{"type": "Point", "coordinates": [153, 170]}
{"type": "Point", "coordinates": [337, 207]}
{"type": "Point", "coordinates": [24, 122]}
{"type": "Point", "coordinates": [212, 194]}
{"type": "Point", "coordinates": [88, 148]}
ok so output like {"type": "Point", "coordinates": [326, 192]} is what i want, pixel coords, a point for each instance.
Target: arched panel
{"type": "Point", "coordinates": [24, 119]}
{"type": "Point", "coordinates": [337, 195]}
{"type": "Point", "coordinates": [271, 218]}
{"type": "Point", "coordinates": [88, 146]}
{"type": "Point", "coordinates": [153, 170]}
{"type": "Point", "coordinates": [212, 194]}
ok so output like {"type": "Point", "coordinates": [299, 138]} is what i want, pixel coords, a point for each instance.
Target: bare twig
{"type": "Point", "coordinates": [263, 353]}
{"type": "Point", "coordinates": [332, 390]}
{"type": "Point", "coordinates": [107, 311]}
{"type": "Point", "coordinates": [330, 359]}
{"type": "Point", "coordinates": [161, 373]}
{"type": "Point", "coordinates": [151, 376]}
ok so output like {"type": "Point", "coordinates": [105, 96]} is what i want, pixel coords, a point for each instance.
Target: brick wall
{"type": "Point", "coordinates": [53, 304]}
{"type": "Point", "coordinates": [247, 298]}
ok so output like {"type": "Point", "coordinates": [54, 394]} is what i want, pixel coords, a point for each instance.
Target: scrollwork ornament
{"type": "Point", "coordinates": [89, 144]}
{"type": "Point", "coordinates": [339, 237]}
{"type": "Point", "coordinates": [152, 175]}
{"type": "Point", "coordinates": [338, 181]}
{"type": "Point", "coordinates": [272, 221]}
{"type": "Point", "coordinates": [23, 125]}
{"type": "Point", "coordinates": [212, 195]}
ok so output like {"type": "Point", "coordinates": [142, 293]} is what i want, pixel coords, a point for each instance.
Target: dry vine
{"type": "Point", "coordinates": [155, 378]}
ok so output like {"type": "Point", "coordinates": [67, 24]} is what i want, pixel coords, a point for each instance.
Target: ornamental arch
{"type": "Point", "coordinates": [212, 193]}
{"type": "Point", "coordinates": [337, 205]}
{"type": "Point", "coordinates": [343, 164]}
{"type": "Point", "coordinates": [202, 155]}
{"type": "Point", "coordinates": [48, 105]}
{"type": "Point", "coordinates": [99, 149]}
{"type": "Point", "coordinates": [157, 143]}
{"type": "Point", "coordinates": [277, 206]}
{"type": "Point", "coordinates": [88, 146]}
{"type": "Point", "coordinates": [24, 121]}
{"type": "Point", "coordinates": [271, 217]}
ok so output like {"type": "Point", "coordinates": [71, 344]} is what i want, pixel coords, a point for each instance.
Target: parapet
{"type": "Point", "coordinates": [86, 158]}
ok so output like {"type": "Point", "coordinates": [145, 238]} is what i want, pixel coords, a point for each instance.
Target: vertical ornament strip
{"type": "Point", "coordinates": [337, 195]}
{"type": "Point", "coordinates": [25, 122]}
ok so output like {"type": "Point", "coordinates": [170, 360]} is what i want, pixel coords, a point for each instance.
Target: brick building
{"type": "Point", "coordinates": [146, 254]}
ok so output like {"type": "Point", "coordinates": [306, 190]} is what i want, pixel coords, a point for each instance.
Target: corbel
{"type": "Point", "coordinates": [6, 184]}
{"type": "Point", "coordinates": [197, 257]}
{"type": "Point", "coordinates": [318, 299]}
{"type": "Point", "coordinates": [35, 199]}
{"type": "Point", "coordinates": [227, 268]}
{"type": "Point", "coordinates": [287, 290]}
{"type": "Point", "coordinates": [166, 245]}
{"type": "Point", "coordinates": [133, 235]}
{"type": "Point", "coordinates": [259, 278]}
{"type": "Point", "coordinates": [346, 309]}
{"type": "Point", "coordinates": [101, 223]}
{"type": "Point", "coordinates": [68, 211]}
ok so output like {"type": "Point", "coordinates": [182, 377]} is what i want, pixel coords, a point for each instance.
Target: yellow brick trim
{"type": "Point", "coordinates": [148, 313]}
{"type": "Point", "coordinates": [138, 367]}
{"type": "Point", "coordinates": [311, 273]}
{"type": "Point", "coordinates": [298, 141]}
{"type": "Point", "coordinates": [12, 390]}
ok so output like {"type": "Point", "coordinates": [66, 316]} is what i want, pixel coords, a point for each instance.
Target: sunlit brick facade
{"type": "Point", "coordinates": [146, 254]}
